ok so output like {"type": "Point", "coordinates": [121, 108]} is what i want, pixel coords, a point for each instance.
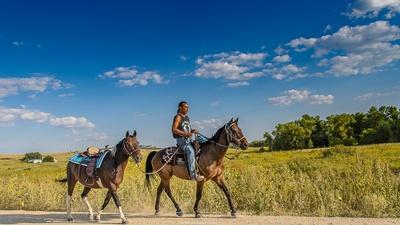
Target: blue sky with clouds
{"type": "Point", "coordinates": [79, 73]}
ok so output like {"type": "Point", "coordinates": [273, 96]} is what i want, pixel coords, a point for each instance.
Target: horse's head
{"type": "Point", "coordinates": [130, 146]}
{"type": "Point", "coordinates": [235, 134]}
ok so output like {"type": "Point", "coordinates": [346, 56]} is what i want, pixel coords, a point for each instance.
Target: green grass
{"type": "Point", "coordinates": [342, 181]}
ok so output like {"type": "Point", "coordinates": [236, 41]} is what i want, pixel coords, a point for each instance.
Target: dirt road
{"type": "Point", "coordinates": [35, 217]}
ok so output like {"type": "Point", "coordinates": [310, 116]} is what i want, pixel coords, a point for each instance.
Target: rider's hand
{"type": "Point", "coordinates": [195, 131]}
{"type": "Point", "coordinates": [188, 134]}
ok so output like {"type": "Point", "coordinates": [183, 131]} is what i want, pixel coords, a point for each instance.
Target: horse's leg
{"type": "Point", "coordinates": [84, 194]}
{"type": "Point", "coordinates": [105, 203]}
{"type": "Point", "coordinates": [114, 195]}
{"type": "Point", "coordinates": [160, 189]}
{"type": "Point", "coordinates": [71, 180]}
{"type": "Point", "coordinates": [199, 192]}
{"type": "Point", "coordinates": [221, 183]}
{"type": "Point", "coordinates": [169, 193]}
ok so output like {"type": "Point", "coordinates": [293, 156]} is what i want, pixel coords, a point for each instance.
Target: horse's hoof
{"type": "Point", "coordinates": [98, 217]}
{"type": "Point", "coordinates": [198, 215]}
{"type": "Point", "coordinates": [157, 213]}
{"type": "Point", "coordinates": [179, 213]}
{"type": "Point", "coordinates": [233, 214]}
{"type": "Point", "coordinates": [91, 218]}
{"type": "Point", "coordinates": [124, 221]}
{"type": "Point", "coordinates": [70, 219]}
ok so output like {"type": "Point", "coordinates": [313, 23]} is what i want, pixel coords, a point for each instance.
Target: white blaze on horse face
{"type": "Point", "coordinates": [85, 199]}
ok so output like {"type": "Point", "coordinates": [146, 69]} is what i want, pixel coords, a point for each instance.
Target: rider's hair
{"type": "Point", "coordinates": [181, 104]}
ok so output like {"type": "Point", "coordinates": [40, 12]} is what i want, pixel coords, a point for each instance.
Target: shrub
{"type": "Point", "coordinates": [48, 158]}
{"type": "Point", "coordinates": [32, 155]}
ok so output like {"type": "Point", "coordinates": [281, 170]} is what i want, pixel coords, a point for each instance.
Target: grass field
{"type": "Point", "coordinates": [360, 181]}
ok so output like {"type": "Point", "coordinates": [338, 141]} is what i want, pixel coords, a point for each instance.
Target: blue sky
{"type": "Point", "coordinates": [79, 73]}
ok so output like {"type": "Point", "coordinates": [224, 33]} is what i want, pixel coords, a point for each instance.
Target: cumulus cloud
{"type": "Point", "coordinates": [372, 8]}
{"type": "Point", "coordinates": [282, 58]}
{"type": "Point", "coordinates": [10, 115]}
{"type": "Point", "coordinates": [71, 122]}
{"type": "Point", "coordinates": [288, 71]}
{"type": "Point", "coordinates": [130, 76]}
{"type": "Point", "coordinates": [13, 85]}
{"type": "Point", "coordinates": [297, 96]}
{"type": "Point", "coordinates": [236, 67]}
{"type": "Point", "coordinates": [354, 50]}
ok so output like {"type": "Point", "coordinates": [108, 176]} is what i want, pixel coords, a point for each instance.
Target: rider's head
{"type": "Point", "coordinates": [183, 107]}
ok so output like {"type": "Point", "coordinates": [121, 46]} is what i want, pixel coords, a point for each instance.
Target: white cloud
{"type": "Point", "coordinates": [214, 103]}
{"type": "Point", "coordinates": [18, 43]}
{"type": "Point", "coordinates": [183, 58]}
{"type": "Point", "coordinates": [71, 122]}
{"type": "Point", "coordinates": [372, 8]}
{"type": "Point", "coordinates": [130, 76]}
{"type": "Point", "coordinates": [370, 95]}
{"type": "Point", "coordinates": [282, 58]}
{"type": "Point", "coordinates": [238, 84]}
{"type": "Point", "coordinates": [280, 51]}
{"type": "Point", "coordinates": [235, 66]}
{"type": "Point", "coordinates": [327, 28]}
{"type": "Point", "coordinates": [13, 85]}
{"type": "Point", "coordinates": [354, 50]}
{"type": "Point", "coordinates": [10, 115]}
{"type": "Point", "coordinates": [66, 95]}
{"type": "Point", "coordinates": [296, 96]}
{"type": "Point", "coordinates": [207, 124]}
{"type": "Point", "coordinates": [100, 136]}
{"type": "Point", "coordinates": [288, 71]}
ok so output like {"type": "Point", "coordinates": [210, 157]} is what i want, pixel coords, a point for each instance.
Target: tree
{"type": "Point", "coordinates": [268, 140]}
{"type": "Point", "coordinates": [289, 136]}
{"type": "Point", "coordinates": [340, 129]}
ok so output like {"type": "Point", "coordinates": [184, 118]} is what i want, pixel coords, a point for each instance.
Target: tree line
{"type": "Point", "coordinates": [376, 126]}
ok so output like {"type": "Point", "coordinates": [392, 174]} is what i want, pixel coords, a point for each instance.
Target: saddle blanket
{"type": "Point", "coordinates": [84, 160]}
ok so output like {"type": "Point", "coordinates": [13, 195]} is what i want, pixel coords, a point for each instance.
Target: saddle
{"type": "Point", "coordinates": [180, 157]}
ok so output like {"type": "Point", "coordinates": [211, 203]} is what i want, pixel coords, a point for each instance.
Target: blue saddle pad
{"type": "Point", "coordinates": [83, 160]}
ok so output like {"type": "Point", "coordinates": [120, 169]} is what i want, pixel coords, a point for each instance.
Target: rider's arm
{"type": "Point", "coordinates": [175, 130]}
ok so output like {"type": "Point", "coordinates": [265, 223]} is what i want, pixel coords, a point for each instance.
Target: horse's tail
{"type": "Point", "coordinates": [62, 180]}
{"type": "Point", "coordinates": [149, 169]}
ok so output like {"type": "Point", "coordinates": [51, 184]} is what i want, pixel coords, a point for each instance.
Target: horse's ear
{"type": "Point", "coordinates": [237, 119]}
{"type": "Point", "coordinates": [230, 121]}
{"type": "Point", "coordinates": [134, 133]}
{"type": "Point", "coordinates": [127, 134]}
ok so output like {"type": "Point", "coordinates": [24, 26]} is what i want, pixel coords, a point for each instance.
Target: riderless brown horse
{"type": "Point", "coordinates": [210, 165]}
{"type": "Point", "coordinates": [110, 174]}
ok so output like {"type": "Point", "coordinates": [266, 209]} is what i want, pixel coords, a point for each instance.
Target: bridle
{"type": "Point", "coordinates": [129, 149]}
{"type": "Point", "coordinates": [229, 136]}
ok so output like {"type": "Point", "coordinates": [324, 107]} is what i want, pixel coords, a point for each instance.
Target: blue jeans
{"type": "Point", "coordinates": [186, 145]}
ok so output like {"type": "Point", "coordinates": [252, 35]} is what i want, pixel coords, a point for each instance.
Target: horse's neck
{"type": "Point", "coordinates": [121, 160]}
{"type": "Point", "coordinates": [221, 147]}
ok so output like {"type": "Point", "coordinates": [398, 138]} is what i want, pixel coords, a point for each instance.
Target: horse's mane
{"type": "Point", "coordinates": [215, 137]}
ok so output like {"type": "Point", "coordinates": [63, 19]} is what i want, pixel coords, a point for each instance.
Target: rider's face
{"type": "Point", "coordinates": [184, 108]}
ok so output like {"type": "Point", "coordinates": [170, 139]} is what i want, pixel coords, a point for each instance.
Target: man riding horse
{"type": "Point", "coordinates": [182, 132]}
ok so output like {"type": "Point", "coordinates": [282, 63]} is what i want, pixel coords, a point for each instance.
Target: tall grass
{"type": "Point", "coordinates": [344, 182]}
